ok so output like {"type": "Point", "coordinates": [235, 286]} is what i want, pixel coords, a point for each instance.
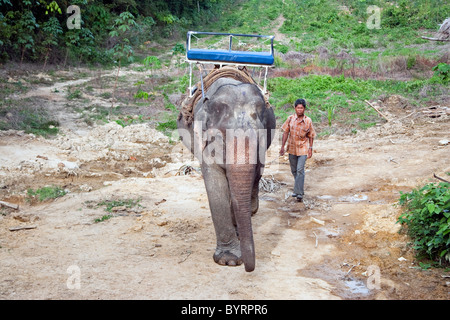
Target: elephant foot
{"type": "Point", "coordinates": [227, 258]}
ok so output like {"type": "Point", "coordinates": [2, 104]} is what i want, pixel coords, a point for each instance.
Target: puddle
{"type": "Point", "coordinates": [326, 197]}
{"type": "Point", "coordinates": [356, 287]}
{"type": "Point", "coordinates": [354, 198]}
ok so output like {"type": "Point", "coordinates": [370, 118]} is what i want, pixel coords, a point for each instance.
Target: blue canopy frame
{"type": "Point", "coordinates": [263, 59]}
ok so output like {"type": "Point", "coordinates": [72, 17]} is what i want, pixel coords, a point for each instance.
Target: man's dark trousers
{"type": "Point", "coordinates": [298, 171]}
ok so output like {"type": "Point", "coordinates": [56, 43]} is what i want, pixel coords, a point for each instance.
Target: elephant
{"type": "Point", "coordinates": [232, 129]}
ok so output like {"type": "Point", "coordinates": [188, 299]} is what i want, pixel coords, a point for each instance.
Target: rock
{"type": "Point", "coordinates": [443, 142]}
{"type": "Point", "coordinates": [25, 217]}
{"type": "Point", "coordinates": [85, 188]}
{"type": "Point", "coordinates": [119, 208]}
{"type": "Point", "coordinates": [317, 221]}
{"type": "Point", "coordinates": [276, 253]}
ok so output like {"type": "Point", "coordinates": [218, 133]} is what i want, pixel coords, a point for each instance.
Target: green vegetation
{"type": "Point", "coordinates": [427, 218]}
{"type": "Point", "coordinates": [127, 203]}
{"type": "Point", "coordinates": [338, 24]}
{"type": "Point", "coordinates": [103, 218]}
{"type": "Point", "coordinates": [340, 98]}
{"type": "Point", "coordinates": [46, 31]}
{"type": "Point", "coordinates": [442, 72]}
{"type": "Point", "coordinates": [117, 205]}
{"type": "Point", "coordinates": [20, 116]}
{"type": "Point", "coordinates": [343, 52]}
{"type": "Point", "coordinates": [45, 193]}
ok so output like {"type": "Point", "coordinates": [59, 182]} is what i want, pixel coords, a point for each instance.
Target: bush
{"type": "Point", "coordinates": [442, 71]}
{"type": "Point", "coordinates": [427, 217]}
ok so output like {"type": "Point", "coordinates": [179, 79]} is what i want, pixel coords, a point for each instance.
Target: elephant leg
{"type": "Point", "coordinates": [228, 250]}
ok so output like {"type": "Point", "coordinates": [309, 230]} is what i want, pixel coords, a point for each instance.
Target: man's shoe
{"type": "Point", "coordinates": [294, 195]}
{"type": "Point", "coordinates": [299, 199]}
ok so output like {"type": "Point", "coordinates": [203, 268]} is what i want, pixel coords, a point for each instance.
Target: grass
{"type": "Point", "coordinates": [341, 25]}
{"type": "Point", "coordinates": [341, 99]}
{"type": "Point", "coordinates": [75, 94]}
{"type": "Point", "coordinates": [111, 204]}
{"type": "Point", "coordinates": [103, 218]}
{"type": "Point", "coordinates": [45, 193]}
{"type": "Point", "coordinates": [127, 203]}
{"type": "Point", "coordinates": [20, 115]}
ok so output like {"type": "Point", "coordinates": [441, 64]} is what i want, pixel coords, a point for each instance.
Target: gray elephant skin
{"type": "Point", "coordinates": [230, 134]}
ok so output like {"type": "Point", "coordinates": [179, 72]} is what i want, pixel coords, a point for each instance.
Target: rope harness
{"type": "Point", "coordinates": [239, 74]}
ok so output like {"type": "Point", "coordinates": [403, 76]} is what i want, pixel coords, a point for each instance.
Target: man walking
{"type": "Point", "coordinates": [299, 133]}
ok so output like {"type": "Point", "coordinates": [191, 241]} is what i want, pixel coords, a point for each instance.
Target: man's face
{"type": "Point", "coordinates": [300, 110]}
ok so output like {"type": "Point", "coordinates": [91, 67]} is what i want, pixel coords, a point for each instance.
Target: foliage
{"type": "Point", "coordinates": [121, 29]}
{"type": "Point", "coordinates": [128, 120]}
{"type": "Point", "coordinates": [167, 127]}
{"type": "Point", "coordinates": [152, 62]}
{"type": "Point", "coordinates": [178, 49]}
{"type": "Point", "coordinates": [427, 217]}
{"type": "Point", "coordinates": [442, 71]}
{"type": "Point", "coordinates": [37, 30]}
{"type": "Point", "coordinates": [46, 193]}
{"type": "Point", "coordinates": [341, 99]}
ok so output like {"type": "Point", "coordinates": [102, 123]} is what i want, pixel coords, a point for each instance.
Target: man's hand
{"type": "Point", "coordinates": [282, 151]}
{"type": "Point", "coordinates": [310, 153]}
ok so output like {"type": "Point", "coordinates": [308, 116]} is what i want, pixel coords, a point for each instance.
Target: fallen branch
{"type": "Point", "coordinates": [22, 228]}
{"type": "Point", "coordinates": [188, 253]}
{"type": "Point", "coordinates": [406, 116]}
{"type": "Point", "coordinates": [352, 268]}
{"type": "Point", "coordinates": [376, 110]}
{"type": "Point", "coordinates": [434, 175]}
{"type": "Point", "coordinates": [317, 240]}
{"type": "Point", "coordinates": [435, 39]}
{"type": "Point", "coordinates": [9, 205]}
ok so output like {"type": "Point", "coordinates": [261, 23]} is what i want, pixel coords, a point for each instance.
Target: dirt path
{"type": "Point", "coordinates": [326, 248]}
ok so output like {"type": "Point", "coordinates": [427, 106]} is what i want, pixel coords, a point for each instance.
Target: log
{"type": "Point", "coordinates": [9, 205]}
{"type": "Point", "coordinates": [443, 34]}
{"type": "Point", "coordinates": [434, 175]}
{"type": "Point", "coordinates": [434, 39]}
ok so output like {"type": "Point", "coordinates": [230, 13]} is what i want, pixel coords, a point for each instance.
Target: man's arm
{"type": "Point", "coordinates": [285, 128]}
{"type": "Point", "coordinates": [311, 136]}
{"type": "Point", "coordinates": [311, 142]}
{"type": "Point", "coordinates": [283, 142]}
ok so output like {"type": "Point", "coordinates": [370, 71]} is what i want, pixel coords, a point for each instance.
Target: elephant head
{"type": "Point", "coordinates": [232, 130]}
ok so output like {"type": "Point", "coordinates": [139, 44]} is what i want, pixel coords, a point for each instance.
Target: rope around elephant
{"type": "Point", "coordinates": [187, 106]}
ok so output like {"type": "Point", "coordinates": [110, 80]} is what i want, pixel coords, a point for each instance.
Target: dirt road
{"type": "Point", "coordinates": [342, 243]}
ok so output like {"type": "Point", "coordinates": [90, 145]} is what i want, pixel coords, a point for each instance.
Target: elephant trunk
{"type": "Point", "coordinates": [241, 179]}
